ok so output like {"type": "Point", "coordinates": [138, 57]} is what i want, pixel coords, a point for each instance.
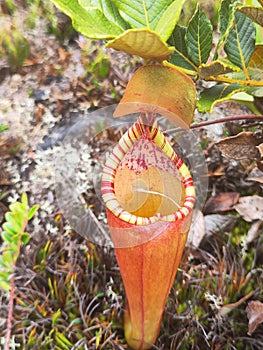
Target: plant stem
{"type": "Point", "coordinates": [217, 121]}
{"type": "Point", "coordinates": [10, 313]}
{"type": "Point", "coordinates": [226, 119]}
{"type": "Point", "coordinates": [12, 292]}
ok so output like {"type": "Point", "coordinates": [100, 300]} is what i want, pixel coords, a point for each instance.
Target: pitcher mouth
{"type": "Point", "coordinates": [135, 132]}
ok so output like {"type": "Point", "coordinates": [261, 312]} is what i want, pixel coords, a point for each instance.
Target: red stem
{"type": "Point", "coordinates": [226, 119]}
{"type": "Point", "coordinates": [217, 121]}
{"type": "Point", "coordinates": [10, 313]}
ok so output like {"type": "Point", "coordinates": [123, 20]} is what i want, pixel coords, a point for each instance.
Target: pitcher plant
{"type": "Point", "coordinates": [149, 196]}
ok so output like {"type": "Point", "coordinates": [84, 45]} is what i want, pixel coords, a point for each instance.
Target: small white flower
{"type": "Point", "coordinates": [50, 228]}
{"type": "Point", "coordinates": [14, 197]}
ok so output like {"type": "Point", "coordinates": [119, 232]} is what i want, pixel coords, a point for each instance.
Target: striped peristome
{"type": "Point", "coordinates": [154, 133]}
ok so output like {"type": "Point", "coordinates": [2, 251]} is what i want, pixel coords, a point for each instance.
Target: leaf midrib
{"type": "Point", "coordinates": [241, 52]}
{"type": "Point", "coordinates": [146, 14]}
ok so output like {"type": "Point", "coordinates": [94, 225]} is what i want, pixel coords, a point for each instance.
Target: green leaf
{"type": "Point", "coordinates": [5, 274]}
{"type": "Point", "coordinates": [56, 315]}
{"type": "Point", "coordinates": [255, 13]}
{"type": "Point", "coordinates": [17, 207]}
{"type": "Point", "coordinates": [4, 284]}
{"type": "Point", "coordinates": [108, 8]}
{"type": "Point", "coordinates": [226, 17]}
{"type": "Point", "coordinates": [15, 228]}
{"type": "Point", "coordinates": [199, 37]}
{"type": "Point", "coordinates": [218, 93]}
{"type": "Point", "coordinates": [14, 245]}
{"type": "Point", "coordinates": [63, 341]}
{"type": "Point", "coordinates": [246, 100]}
{"type": "Point", "coordinates": [226, 21]}
{"type": "Point", "coordinates": [6, 268]}
{"type": "Point", "coordinates": [25, 238]}
{"type": "Point", "coordinates": [24, 200]}
{"type": "Point", "coordinates": [257, 92]}
{"type": "Point", "coordinates": [14, 221]}
{"type": "Point", "coordinates": [143, 13]}
{"type": "Point", "coordinates": [8, 258]}
{"type": "Point", "coordinates": [180, 55]}
{"type": "Point", "coordinates": [169, 19]}
{"type": "Point", "coordinates": [1, 263]}
{"type": "Point", "coordinates": [3, 128]}
{"type": "Point", "coordinates": [32, 211]}
{"type": "Point", "coordinates": [20, 216]}
{"type": "Point", "coordinates": [240, 43]}
{"type": "Point", "coordinates": [7, 237]}
{"type": "Point", "coordinates": [110, 19]}
{"type": "Point", "coordinates": [7, 226]}
{"type": "Point", "coordinates": [90, 22]}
